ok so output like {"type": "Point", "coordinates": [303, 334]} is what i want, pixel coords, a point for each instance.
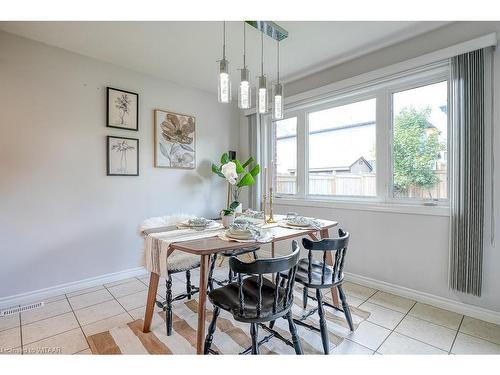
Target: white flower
{"type": "Point", "coordinates": [229, 171]}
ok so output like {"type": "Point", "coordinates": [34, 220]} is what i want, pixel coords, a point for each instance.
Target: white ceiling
{"type": "Point", "coordinates": [186, 52]}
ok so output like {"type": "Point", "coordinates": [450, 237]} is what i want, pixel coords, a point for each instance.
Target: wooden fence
{"type": "Point", "coordinates": [362, 184]}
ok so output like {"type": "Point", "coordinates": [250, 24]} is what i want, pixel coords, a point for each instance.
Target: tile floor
{"type": "Point", "coordinates": [396, 325]}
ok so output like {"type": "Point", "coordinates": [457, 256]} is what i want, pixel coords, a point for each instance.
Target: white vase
{"type": "Point", "coordinates": [227, 220]}
{"type": "Point", "coordinates": [238, 209]}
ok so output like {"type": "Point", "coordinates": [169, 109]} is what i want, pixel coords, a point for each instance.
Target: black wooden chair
{"type": "Point", "coordinates": [318, 275]}
{"type": "Point", "coordinates": [230, 253]}
{"type": "Point", "coordinates": [254, 299]}
{"type": "Point", "coordinates": [185, 265]}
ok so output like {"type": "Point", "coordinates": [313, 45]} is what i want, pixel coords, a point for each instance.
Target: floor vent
{"type": "Point", "coordinates": [19, 309]}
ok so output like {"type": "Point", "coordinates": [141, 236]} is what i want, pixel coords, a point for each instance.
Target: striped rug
{"type": "Point", "coordinates": [231, 337]}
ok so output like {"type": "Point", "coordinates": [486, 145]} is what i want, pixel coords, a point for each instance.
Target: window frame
{"type": "Point", "coordinates": [421, 82]}
{"type": "Point", "coordinates": [324, 106]}
{"type": "Point", "coordinates": [381, 90]}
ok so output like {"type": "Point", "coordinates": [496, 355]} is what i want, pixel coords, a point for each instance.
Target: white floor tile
{"type": "Point", "coordinates": [10, 339]}
{"type": "Point", "coordinates": [48, 327]}
{"type": "Point", "coordinates": [392, 301]}
{"type": "Point", "coordinates": [358, 291]}
{"type": "Point", "coordinates": [47, 311]}
{"type": "Point", "coordinates": [9, 321]}
{"type": "Point", "coordinates": [369, 335]}
{"type": "Point", "coordinates": [481, 329]}
{"type": "Point", "coordinates": [118, 282]}
{"type": "Point", "coordinates": [89, 299]}
{"type": "Point", "coordinates": [55, 298]}
{"type": "Point", "coordinates": [430, 333]}
{"type": "Point", "coordinates": [436, 315]}
{"type": "Point", "coordinates": [84, 291]}
{"type": "Point", "coordinates": [134, 301]}
{"type": "Point", "coordinates": [106, 324]}
{"type": "Point", "coordinates": [124, 289]}
{"type": "Point", "coordinates": [465, 344]}
{"type": "Point", "coordinates": [382, 316]}
{"type": "Point", "coordinates": [140, 311]}
{"type": "Point", "coordinates": [65, 343]}
{"type": "Point", "coordinates": [399, 344]}
{"type": "Point", "coordinates": [97, 312]}
{"type": "Point", "coordinates": [350, 347]}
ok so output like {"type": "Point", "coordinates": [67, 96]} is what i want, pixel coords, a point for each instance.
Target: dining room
{"type": "Point", "coordinates": [231, 187]}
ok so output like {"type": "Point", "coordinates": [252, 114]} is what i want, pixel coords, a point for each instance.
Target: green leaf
{"type": "Point", "coordinates": [224, 158]}
{"type": "Point", "coordinates": [250, 160]}
{"type": "Point", "coordinates": [255, 170]}
{"type": "Point", "coordinates": [239, 167]}
{"type": "Point", "coordinates": [247, 180]}
{"type": "Point", "coordinates": [233, 205]}
{"type": "Point", "coordinates": [217, 171]}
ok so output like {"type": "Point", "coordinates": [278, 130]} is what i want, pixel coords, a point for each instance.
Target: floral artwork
{"type": "Point", "coordinates": [122, 156]}
{"type": "Point", "coordinates": [174, 140]}
{"type": "Point", "coordinates": [122, 109]}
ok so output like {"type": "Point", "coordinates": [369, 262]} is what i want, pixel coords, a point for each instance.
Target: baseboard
{"type": "Point", "coordinates": [441, 302]}
{"type": "Point", "coordinates": [41, 294]}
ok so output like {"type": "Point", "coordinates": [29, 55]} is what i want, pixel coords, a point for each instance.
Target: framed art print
{"type": "Point", "coordinates": [122, 109]}
{"type": "Point", "coordinates": [175, 140]}
{"type": "Point", "coordinates": [122, 156]}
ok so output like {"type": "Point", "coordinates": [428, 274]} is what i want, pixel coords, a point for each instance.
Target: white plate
{"type": "Point", "coordinates": [297, 224]}
{"type": "Point", "coordinates": [238, 236]}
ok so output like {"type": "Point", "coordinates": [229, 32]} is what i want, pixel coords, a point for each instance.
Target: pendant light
{"type": "Point", "coordinates": [262, 88]}
{"type": "Point", "coordinates": [244, 91]}
{"type": "Point", "coordinates": [278, 91]}
{"type": "Point", "coordinates": [223, 78]}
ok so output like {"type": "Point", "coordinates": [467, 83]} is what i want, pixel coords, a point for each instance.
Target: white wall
{"type": "Point", "coordinates": [61, 218]}
{"type": "Point", "coordinates": [410, 250]}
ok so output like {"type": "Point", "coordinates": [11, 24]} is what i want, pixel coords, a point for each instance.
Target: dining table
{"type": "Point", "coordinates": [206, 247]}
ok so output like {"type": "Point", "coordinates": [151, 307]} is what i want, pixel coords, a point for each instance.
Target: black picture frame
{"type": "Point", "coordinates": [108, 172]}
{"type": "Point", "coordinates": [115, 126]}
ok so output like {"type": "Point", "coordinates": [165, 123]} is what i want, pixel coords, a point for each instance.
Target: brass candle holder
{"type": "Point", "coordinates": [264, 198]}
{"type": "Point", "coordinates": [271, 218]}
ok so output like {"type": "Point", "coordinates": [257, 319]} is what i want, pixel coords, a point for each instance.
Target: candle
{"type": "Point", "coordinates": [265, 180]}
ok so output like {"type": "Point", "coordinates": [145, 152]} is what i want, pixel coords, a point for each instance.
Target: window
{"type": "Point", "coordinates": [285, 155]}
{"type": "Point", "coordinates": [419, 138]}
{"type": "Point", "coordinates": [385, 141]}
{"type": "Point", "coordinates": [342, 158]}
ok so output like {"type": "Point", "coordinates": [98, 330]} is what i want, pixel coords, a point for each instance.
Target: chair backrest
{"type": "Point", "coordinates": [337, 245]}
{"type": "Point", "coordinates": [261, 267]}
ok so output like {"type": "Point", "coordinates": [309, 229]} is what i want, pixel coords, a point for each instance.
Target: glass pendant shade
{"type": "Point", "coordinates": [262, 97]}
{"type": "Point", "coordinates": [223, 82]}
{"type": "Point", "coordinates": [278, 101]}
{"type": "Point", "coordinates": [244, 91]}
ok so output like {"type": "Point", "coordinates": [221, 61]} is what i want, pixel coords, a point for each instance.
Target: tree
{"type": "Point", "coordinates": [416, 150]}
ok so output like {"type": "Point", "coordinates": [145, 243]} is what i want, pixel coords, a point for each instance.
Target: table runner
{"type": "Point", "coordinates": [160, 232]}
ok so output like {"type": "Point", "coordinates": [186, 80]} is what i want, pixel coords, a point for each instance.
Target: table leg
{"type": "Point", "coordinates": [150, 306]}
{"type": "Point", "coordinates": [272, 256]}
{"type": "Point", "coordinates": [204, 263]}
{"type": "Point", "coordinates": [329, 260]}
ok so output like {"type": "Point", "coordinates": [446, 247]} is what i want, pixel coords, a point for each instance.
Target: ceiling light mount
{"type": "Point", "coordinates": [270, 29]}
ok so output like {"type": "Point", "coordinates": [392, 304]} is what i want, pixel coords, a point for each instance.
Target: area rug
{"type": "Point", "coordinates": [231, 337]}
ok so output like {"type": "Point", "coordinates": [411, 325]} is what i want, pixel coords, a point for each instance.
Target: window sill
{"type": "Point", "coordinates": [416, 209]}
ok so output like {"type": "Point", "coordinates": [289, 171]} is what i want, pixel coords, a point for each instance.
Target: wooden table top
{"type": "Point", "coordinates": [215, 244]}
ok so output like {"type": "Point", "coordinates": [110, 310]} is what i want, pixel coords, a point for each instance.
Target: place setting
{"type": "Point", "coordinates": [199, 224]}
{"type": "Point", "coordinates": [243, 230]}
{"type": "Point", "coordinates": [293, 220]}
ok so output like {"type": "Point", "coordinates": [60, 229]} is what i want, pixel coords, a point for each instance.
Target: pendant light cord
{"type": "Point", "coordinates": [278, 48]}
{"type": "Point", "coordinates": [244, 46]}
{"type": "Point", "coordinates": [224, 40]}
{"type": "Point", "coordinates": [261, 53]}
